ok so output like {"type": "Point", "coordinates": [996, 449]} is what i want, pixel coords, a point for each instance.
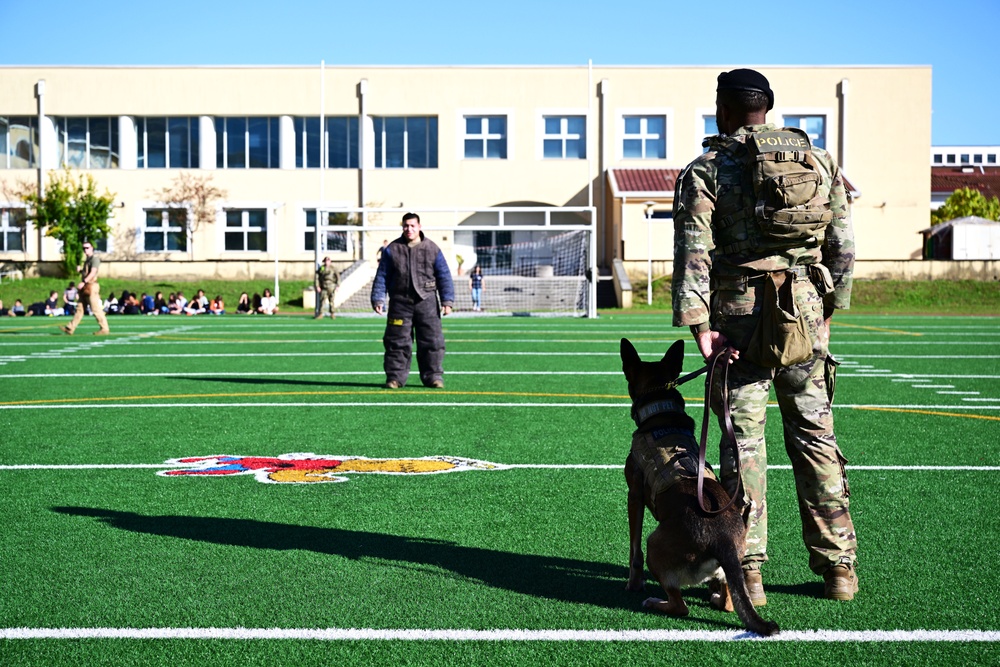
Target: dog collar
{"type": "Point", "coordinates": [655, 408]}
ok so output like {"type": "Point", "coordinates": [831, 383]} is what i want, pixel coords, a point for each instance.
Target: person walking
{"type": "Point", "coordinates": [327, 280]}
{"type": "Point", "coordinates": [90, 292]}
{"type": "Point", "coordinates": [762, 224]}
{"type": "Point", "coordinates": [413, 274]}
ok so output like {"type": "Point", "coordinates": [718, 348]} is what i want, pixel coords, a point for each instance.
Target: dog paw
{"type": "Point", "coordinates": [652, 603]}
{"type": "Point", "coordinates": [635, 585]}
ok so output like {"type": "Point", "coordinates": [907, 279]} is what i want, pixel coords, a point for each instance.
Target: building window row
{"type": "Point", "coordinates": [400, 142]}
{"type": "Point", "coordinates": [969, 159]}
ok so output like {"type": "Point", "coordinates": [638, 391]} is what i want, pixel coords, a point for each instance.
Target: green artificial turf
{"type": "Point", "coordinates": [527, 548]}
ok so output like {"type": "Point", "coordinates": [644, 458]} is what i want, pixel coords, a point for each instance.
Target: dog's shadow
{"type": "Point", "coordinates": [566, 579]}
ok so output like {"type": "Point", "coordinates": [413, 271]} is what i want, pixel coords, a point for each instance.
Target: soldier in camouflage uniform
{"type": "Point", "coordinates": [327, 280]}
{"type": "Point", "coordinates": [721, 259]}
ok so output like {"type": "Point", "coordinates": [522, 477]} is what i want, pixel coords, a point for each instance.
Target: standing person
{"type": "Point", "coordinates": [327, 280]}
{"type": "Point", "coordinates": [413, 274]}
{"type": "Point", "coordinates": [728, 254]}
{"type": "Point", "coordinates": [476, 287]}
{"type": "Point", "coordinates": [90, 291]}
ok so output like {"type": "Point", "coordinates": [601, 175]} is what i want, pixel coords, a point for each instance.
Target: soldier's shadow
{"type": "Point", "coordinates": [566, 579]}
{"type": "Point", "coordinates": [281, 381]}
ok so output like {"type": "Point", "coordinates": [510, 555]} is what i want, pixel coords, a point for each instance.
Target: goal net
{"type": "Point", "coordinates": [535, 261]}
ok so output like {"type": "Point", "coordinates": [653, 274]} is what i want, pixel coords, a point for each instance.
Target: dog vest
{"type": "Point", "coordinates": [665, 456]}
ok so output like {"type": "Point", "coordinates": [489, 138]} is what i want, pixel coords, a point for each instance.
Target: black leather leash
{"type": "Point", "coordinates": [727, 425]}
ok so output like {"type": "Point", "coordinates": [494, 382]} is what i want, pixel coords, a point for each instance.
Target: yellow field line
{"type": "Point", "coordinates": [931, 412]}
{"type": "Point", "coordinates": [861, 326]}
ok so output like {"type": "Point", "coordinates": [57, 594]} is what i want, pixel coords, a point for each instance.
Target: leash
{"type": "Point", "coordinates": [727, 425]}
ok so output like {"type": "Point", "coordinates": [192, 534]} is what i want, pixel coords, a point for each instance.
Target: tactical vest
{"type": "Point", "coordinates": [780, 203]}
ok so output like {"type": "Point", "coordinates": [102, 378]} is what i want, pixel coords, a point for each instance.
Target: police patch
{"type": "Point", "coordinates": [315, 468]}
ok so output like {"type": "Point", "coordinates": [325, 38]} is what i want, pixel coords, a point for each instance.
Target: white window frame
{"type": "Point", "coordinates": [302, 228]}
{"type": "Point", "coordinates": [482, 113]}
{"type": "Point", "coordinates": [269, 208]}
{"type": "Point", "coordinates": [140, 224]}
{"type": "Point", "coordinates": [826, 112]}
{"type": "Point", "coordinates": [34, 137]}
{"type": "Point", "coordinates": [62, 142]}
{"type": "Point", "coordinates": [699, 126]}
{"type": "Point", "coordinates": [5, 227]}
{"type": "Point", "coordinates": [142, 140]}
{"type": "Point", "coordinates": [668, 132]}
{"type": "Point", "coordinates": [563, 136]}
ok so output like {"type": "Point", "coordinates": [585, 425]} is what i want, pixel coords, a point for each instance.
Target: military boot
{"type": "Point", "coordinates": [841, 582]}
{"type": "Point", "coordinates": [755, 586]}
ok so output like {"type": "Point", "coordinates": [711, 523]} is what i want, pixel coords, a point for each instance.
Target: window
{"type": "Point", "coordinates": [18, 142]}
{"type": "Point", "coordinates": [951, 158]}
{"type": "Point", "coordinates": [493, 249]}
{"type": "Point", "coordinates": [165, 230]}
{"type": "Point", "coordinates": [342, 142]}
{"type": "Point", "coordinates": [977, 159]}
{"type": "Point", "coordinates": [246, 142]}
{"type": "Point", "coordinates": [88, 143]}
{"type": "Point", "coordinates": [644, 137]}
{"type": "Point", "coordinates": [246, 230]}
{"type": "Point", "coordinates": [167, 143]}
{"type": "Point", "coordinates": [565, 137]}
{"type": "Point", "coordinates": [406, 142]}
{"type": "Point", "coordinates": [486, 137]}
{"type": "Point", "coordinates": [814, 126]}
{"type": "Point", "coordinates": [964, 158]}
{"type": "Point", "coordinates": [938, 158]}
{"type": "Point", "coordinates": [12, 226]}
{"type": "Point", "coordinates": [709, 128]}
{"type": "Point", "coordinates": [334, 242]}
{"type": "Point", "coordinates": [991, 158]}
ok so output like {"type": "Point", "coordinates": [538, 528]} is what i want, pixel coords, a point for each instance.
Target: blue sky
{"type": "Point", "coordinates": [957, 38]}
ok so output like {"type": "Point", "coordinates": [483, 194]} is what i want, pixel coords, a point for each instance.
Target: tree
{"type": "Point", "coordinates": [71, 211]}
{"type": "Point", "coordinates": [197, 193]}
{"type": "Point", "coordinates": [966, 202]}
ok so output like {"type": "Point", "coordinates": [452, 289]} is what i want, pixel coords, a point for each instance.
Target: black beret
{"type": "Point", "coordinates": [746, 79]}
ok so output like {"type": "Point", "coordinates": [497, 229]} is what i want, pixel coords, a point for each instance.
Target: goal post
{"type": "Point", "coordinates": [537, 261]}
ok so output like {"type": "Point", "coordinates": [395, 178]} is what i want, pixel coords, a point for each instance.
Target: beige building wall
{"type": "Point", "coordinates": [883, 139]}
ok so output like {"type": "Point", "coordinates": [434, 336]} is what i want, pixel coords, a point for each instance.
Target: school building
{"type": "Point", "coordinates": [421, 138]}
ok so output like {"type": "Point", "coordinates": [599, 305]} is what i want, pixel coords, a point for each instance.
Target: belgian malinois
{"type": "Point", "coordinates": [689, 546]}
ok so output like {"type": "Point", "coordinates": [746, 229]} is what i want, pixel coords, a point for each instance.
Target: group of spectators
{"type": "Point", "coordinates": [144, 304]}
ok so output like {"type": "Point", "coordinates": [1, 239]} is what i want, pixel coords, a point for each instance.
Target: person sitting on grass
{"type": "Point", "coordinates": [17, 310]}
{"type": "Point", "coordinates": [110, 305]}
{"type": "Point", "coordinates": [129, 304]}
{"type": "Point", "coordinates": [70, 297]}
{"type": "Point", "coordinates": [218, 306]}
{"type": "Point", "coordinates": [160, 304]}
{"type": "Point", "coordinates": [147, 305]}
{"type": "Point", "coordinates": [268, 303]}
{"type": "Point", "coordinates": [179, 304]}
{"type": "Point", "coordinates": [243, 306]}
{"type": "Point", "coordinates": [52, 304]}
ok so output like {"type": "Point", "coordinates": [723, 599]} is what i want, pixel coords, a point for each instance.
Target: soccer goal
{"type": "Point", "coordinates": [537, 261]}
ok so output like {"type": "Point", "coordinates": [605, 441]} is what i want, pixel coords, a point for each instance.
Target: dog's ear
{"type": "Point", "coordinates": [630, 358]}
{"type": "Point", "coordinates": [673, 360]}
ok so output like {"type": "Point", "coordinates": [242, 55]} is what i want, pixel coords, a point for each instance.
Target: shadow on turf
{"type": "Point", "coordinates": [257, 381]}
{"type": "Point", "coordinates": [564, 579]}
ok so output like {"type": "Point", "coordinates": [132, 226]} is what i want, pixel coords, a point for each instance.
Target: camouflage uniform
{"type": "Point", "coordinates": [720, 260]}
{"type": "Point", "coordinates": [327, 280]}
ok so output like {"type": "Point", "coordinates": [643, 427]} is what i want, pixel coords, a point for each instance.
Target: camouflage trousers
{"type": "Point", "coordinates": [807, 418]}
{"type": "Point", "coordinates": [323, 297]}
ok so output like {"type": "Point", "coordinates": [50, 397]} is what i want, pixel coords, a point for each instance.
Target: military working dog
{"type": "Point", "coordinates": [689, 546]}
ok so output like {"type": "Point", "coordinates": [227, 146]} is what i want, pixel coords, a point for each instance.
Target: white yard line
{"type": "Point", "coordinates": [511, 635]}
{"type": "Point", "coordinates": [437, 404]}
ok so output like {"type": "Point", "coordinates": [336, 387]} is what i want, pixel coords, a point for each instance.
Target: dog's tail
{"type": "Point", "coordinates": [729, 559]}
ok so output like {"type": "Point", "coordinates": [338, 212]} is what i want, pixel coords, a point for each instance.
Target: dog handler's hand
{"type": "Point", "coordinates": [447, 310]}
{"type": "Point", "coordinates": [378, 308]}
{"type": "Point", "coordinates": [710, 343]}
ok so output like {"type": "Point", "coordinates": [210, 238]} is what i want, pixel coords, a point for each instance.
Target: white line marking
{"type": "Point", "coordinates": [933, 386]}
{"type": "Point", "coordinates": [355, 634]}
{"type": "Point", "coordinates": [959, 393]}
{"type": "Point", "coordinates": [993, 398]}
{"type": "Point", "coordinates": [439, 404]}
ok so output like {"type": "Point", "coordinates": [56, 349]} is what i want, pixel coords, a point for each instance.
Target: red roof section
{"type": "Point", "coordinates": [949, 179]}
{"type": "Point", "coordinates": [662, 181]}
{"type": "Point", "coordinates": [646, 180]}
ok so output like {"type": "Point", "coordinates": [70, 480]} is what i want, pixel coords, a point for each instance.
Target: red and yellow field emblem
{"type": "Point", "coordinates": [313, 468]}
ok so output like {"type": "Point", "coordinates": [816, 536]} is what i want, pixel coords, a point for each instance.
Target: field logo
{"type": "Point", "coordinates": [313, 468]}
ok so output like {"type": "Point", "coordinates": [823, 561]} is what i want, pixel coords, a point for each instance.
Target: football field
{"type": "Point", "coordinates": [242, 490]}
